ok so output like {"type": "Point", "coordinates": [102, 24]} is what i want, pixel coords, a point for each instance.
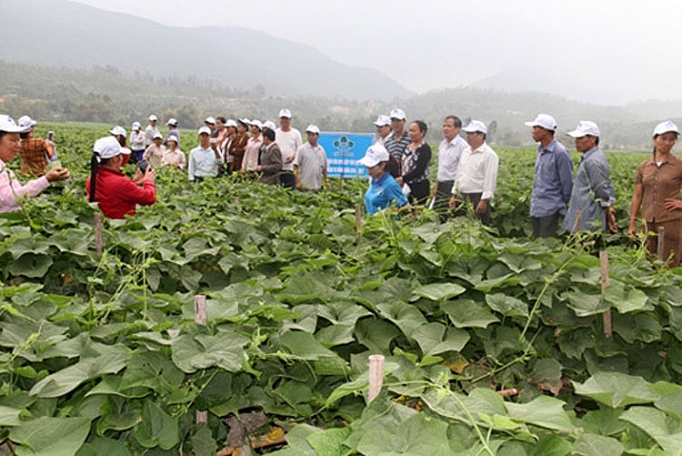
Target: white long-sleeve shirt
{"type": "Point", "coordinates": [477, 172]}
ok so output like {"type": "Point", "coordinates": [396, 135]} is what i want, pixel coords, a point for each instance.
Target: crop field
{"type": "Point", "coordinates": [494, 344]}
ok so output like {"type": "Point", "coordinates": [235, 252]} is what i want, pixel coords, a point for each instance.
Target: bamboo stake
{"type": "Point", "coordinates": [660, 247]}
{"type": "Point", "coordinates": [604, 268]}
{"type": "Point", "coordinates": [358, 219]}
{"type": "Point", "coordinates": [376, 376]}
{"type": "Point", "coordinates": [98, 233]}
{"type": "Point", "coordinates": [200, 319]}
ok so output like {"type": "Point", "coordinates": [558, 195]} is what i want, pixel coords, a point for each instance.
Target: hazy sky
{"type": "Point", "coordinates": [598, 50]}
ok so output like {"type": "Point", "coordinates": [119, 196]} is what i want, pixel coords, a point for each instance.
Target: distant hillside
{"type": "Point", "coordinates": [79, 36]}
{"type": "Point", "coordinates": [102, 94]}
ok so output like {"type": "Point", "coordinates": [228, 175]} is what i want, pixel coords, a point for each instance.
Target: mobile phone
{"type": "Point", "coordinates": [143, 165]}
{"type": "Point", "coordinates": [50, 135]}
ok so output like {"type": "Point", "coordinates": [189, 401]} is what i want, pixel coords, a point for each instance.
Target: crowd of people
{"type": "Point", "coordinates": [397, 164]}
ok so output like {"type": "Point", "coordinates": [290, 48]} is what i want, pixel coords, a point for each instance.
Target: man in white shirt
{"type": "Point", "coordinates": [449, 153]}
{"type": "Point", "coordinates": [476, 175]}
{"type": "Point", "coordinates": [151, 131]}
{"type": "Point", "coordinates": [310, 164]}
{"type": "Point", "coordinates": [289, 140]}
{"type": "Point", "coordinates": [383, 124]}
{"type": "Point", "coordinates": [203, 161]}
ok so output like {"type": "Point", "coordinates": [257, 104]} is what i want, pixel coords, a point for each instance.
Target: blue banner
{"type": "Point", "coordinates": [343, 152]}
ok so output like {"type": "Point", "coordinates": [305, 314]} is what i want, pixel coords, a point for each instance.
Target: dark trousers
{"type": "Point", "coordinates": [474, 199]}
{"type": "Point", "coordinates": [420, 192]}
{"type": "Point", "coordinates": [544, 227]}
{"type": "Point", "coordinates": [442, 203]}
{"type": "Point", "coordinates": [288, 180]}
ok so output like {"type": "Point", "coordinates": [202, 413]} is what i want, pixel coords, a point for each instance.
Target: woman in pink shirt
{"type": "Point", "coordinates": [11, 190]}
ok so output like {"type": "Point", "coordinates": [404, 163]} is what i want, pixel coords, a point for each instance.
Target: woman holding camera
{"type": "Point", "coordinates": [116, 194]}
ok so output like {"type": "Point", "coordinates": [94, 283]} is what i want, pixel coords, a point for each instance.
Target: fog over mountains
{"type": "Point", "coordinates": [79, 36]}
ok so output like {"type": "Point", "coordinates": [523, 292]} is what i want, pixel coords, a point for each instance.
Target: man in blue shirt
{"type": "Point", "coordinates": [592, 198]}
{"type": "Point", "coordinates": [553, 178]}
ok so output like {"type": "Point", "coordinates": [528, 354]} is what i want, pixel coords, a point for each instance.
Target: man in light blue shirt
{"type": "Point", "coordinates": [553, 178]}
{"type": "Point", "coordinates": [203, 160]}
{"type": "Point", "coordinates": [592, 197]}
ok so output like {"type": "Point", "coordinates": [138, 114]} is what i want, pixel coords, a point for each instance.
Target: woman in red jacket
{"type": "Point", "coordinates": [117, 194]}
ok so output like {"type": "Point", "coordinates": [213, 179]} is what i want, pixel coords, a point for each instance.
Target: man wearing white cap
{"type": "Point", "coordinates": [35, 153]}
{"type": "Point", "coordinates": [310, 164]}
{"type": "Point", "coordinates": [553, 178]}
{"type": "Point", "coordinates": [172, 130]}
{"type": "Point", "coordinates": [210, 123]}
{"type": "Point", "coordinates": [150, 131]}
{"type": "Point", "coordinates": [289, 141]}
{"type": "Point", "coordinates": [476, 176]}
{"type": "Point", "coordinates": [203, 160]}
{"type": "Point", "coordinates": [383, 124]}
{"type": "Point", "coordinates": [592, 197]}
{"type": "Point", "coordinates": [398, 140]}
{"type": "Point", "coordinates": [137, 141]}
{"type": "Point", "coordinates": [449, 154]}
{"type": "Point", "coordinates": [11, 191]}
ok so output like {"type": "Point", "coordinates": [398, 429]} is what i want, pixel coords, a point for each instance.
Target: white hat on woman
{"type": "Point", "coordinates": [8, 125]}
{"type": "Point", "coordinates": [374, 155]}
{"type": "Point", "coordinates": [665, 127]}
{"type": "Point", "coordinates": [107, 147]}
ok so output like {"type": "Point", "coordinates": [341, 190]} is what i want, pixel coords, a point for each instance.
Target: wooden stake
{"type": "Point", "coordinates": [237, 201]}
{"type": "Point", "coordinates": [358, 219]}
{"type": "Point", "coordinates": [98, 233]}
{"type": "Point", "coordinates": [376, 376]}
{"type": "Point", "coordinates": [200, 319]}
{"type": "Point", "coordinates": [604, 268]}
{"type": "Point", "coordinates": [660, 247]}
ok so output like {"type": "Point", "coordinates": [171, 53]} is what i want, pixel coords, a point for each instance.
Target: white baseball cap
{"type": "Point", "coordinates": [665, 127]}
{"type": "Point", "coordinates": [8, 125]}
{"type": "Point", "coordinates": [374, 155]}
{"type": "Point", "coordinates": [285, 113]}
{"type": "Point", "coordinates": [118, 130]}
{"type": "Point", "coordinates": [173, 122]}
{"type": "Point", "coordinates": [26, 122]}
{"type": "Point", "coordinates": [544, 121]}
{"type": "Point", "coordinates": [382, 121]}
{"type": "Point", "coordinates": [585, 128]}
{"type": "Point", "coordinates": [245, 121]}
{"type": "Point", "coordinates": [257, 124]}
{"type": "Point", "coordinates": [270, 125]}
{"type": "Point", "coordinates": [397, 114]}
{"type": "Point", "coordinates": [136, 126]}
{"type": "Point", "coordinates": [157, 136]}
{"type": "Point", "coordinates": [476, 126]}
{"type": "Point", "coordinates": [153, 117]}
{"type": "Point", "coordinates": [203, 130]}
{"type": "Point", "coordinates": [210, 120]}
{"type": "Point", "coordinates": [172, 138]}
{"type": "Point", "coordinates": [231, 123]}
{"type": "Point", "coordinates": [312, 129]}
{"type": "Point", "coordinates": [107, 147]}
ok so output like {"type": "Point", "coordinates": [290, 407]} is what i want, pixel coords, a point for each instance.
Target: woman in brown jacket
{"type": "Point", "coordinates": [657, 192]}
{"type": "Point", "coordinates": [238, 145]}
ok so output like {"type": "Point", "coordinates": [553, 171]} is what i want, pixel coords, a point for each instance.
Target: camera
{"type": "Point", "coordinates": [143, 165]}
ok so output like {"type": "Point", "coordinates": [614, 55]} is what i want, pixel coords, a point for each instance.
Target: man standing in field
{"type": "Point", "coordinates": [476, 176]}
{"type": "Point", "coordinates": [203, 161]}
{"type": "Point", "coordinates": [289, 141]}
{"type": "Point", "coordinates": [592, 197]}
{"type": "Point", "coordinates": [398, 140]}
{"type": "Point", "coordinates": [449, 153]}
{"type": "Point", "coordinates": [553, 178]}
{"type": "Point", "coordinates": [172, 131]}
{"type": "Point", "coordinates": [151, 131]}
{"type": "Point", "coordinates": [310, 164]}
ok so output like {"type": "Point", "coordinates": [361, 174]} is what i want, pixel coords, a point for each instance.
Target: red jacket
{"type": "Point", "coordinates": [118, 195]}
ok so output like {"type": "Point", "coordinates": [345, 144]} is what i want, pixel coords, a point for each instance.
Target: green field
{"type": "Point", "coordinates": [100, 354]}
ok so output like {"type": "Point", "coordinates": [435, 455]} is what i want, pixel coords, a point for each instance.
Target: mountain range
{"type": "Point", "coordinates": [60, 33]}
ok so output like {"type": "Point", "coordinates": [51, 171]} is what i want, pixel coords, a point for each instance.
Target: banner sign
{"type": "Point", "coordinates": [343, 152]}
